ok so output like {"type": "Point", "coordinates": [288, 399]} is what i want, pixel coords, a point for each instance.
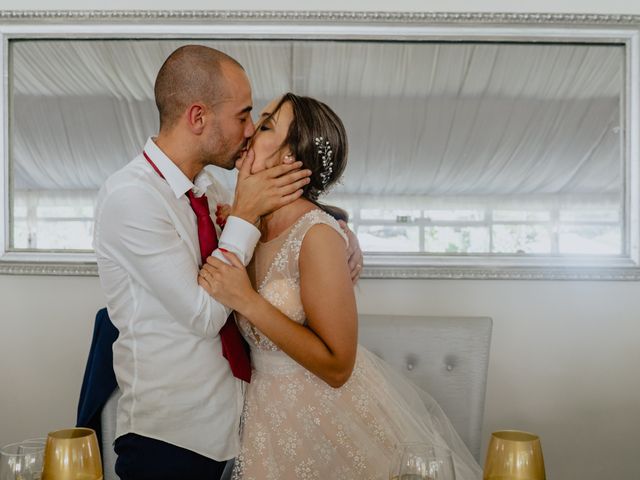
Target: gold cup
{"type": "Point", "coordinates": [72, 454]}
{"type": "Point", "coordinates": [514, 455]}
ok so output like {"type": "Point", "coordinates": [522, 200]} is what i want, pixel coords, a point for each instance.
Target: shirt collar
{"type": "Point", "coordinates": [177, 180]}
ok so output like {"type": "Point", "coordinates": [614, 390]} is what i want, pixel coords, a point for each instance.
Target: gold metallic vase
{"type": "Point", "coordinates": [514, 455]}
{"type": "Point", "coordinates": [72, 454]}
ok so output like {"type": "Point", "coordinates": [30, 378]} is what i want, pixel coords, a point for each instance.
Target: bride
{"type": "Point", "coordinates": [319, 405]}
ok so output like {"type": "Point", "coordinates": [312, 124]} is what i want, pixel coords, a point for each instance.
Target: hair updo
{"type": "Point", "coordinates": [311, 121]}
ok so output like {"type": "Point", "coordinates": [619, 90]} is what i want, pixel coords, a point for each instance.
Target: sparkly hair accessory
{"type": "Point", "coordinates": [325, 152]}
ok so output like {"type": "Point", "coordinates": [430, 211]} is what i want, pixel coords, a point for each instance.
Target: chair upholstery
{"type": "Point", "coordinates": [446, 356]}
{"type": "Point", "coordinates": [108, 419]}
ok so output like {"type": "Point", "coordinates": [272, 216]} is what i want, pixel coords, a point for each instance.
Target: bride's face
{"type": "Point", "coordinates": [270, 133]}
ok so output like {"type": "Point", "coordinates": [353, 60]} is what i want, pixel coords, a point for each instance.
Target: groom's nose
{"type": "Point", "coordinates": [249, 129]}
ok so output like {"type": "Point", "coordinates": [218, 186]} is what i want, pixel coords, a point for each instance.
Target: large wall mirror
{"type": "Point", "coordinates": [478, 149]}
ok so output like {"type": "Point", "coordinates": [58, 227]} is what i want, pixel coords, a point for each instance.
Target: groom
{"type": "Point", "coordinates": [177, 358]}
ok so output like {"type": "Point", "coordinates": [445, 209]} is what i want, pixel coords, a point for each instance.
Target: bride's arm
{"type": "Point", "coordinates": [327, 346]}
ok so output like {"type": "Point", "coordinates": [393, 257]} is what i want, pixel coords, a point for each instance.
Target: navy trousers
{"type": "Point", "coordinates": [143, 458]}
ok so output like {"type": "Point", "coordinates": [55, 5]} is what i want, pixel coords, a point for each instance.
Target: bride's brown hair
{"type": "Point", "coordinates": [313, 119]}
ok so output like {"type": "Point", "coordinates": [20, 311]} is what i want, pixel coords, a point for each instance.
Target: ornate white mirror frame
{"type": "Point", "coordinates": [520, 28]}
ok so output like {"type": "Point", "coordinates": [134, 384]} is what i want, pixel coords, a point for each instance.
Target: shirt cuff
{"type": "Point", "coordinates": [239, 237]}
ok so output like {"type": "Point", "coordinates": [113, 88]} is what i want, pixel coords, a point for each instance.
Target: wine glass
{"type": "Point", "coordinates": [421, 461]}
{"type": "Point", "coordinates": [72, 453]}
{"type": "Point", "coordinates": [32, 445]}
{"type": "Point", "coordinates": [21, 461]}
{"type": "Point", "coordinates": [515, 455]}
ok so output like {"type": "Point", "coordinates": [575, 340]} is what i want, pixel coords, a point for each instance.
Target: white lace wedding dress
{"type": "Point", "coordinates": [295, 426]}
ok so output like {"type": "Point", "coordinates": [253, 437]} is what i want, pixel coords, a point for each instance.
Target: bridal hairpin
{"type": "Point", "coordinates": [325, 152]}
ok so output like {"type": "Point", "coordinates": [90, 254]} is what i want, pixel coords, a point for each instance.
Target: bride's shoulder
{"type": "Point", "coordinates": [316, 223]}
{"type": "Point", "coordinates": [308, 215]}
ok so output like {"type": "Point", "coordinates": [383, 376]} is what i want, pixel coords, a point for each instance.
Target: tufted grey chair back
{"type": "Point", "coordinates": [446, 356]}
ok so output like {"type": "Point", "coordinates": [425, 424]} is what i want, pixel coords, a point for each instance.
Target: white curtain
{"type": "Point", "coordinates": [427, 122]}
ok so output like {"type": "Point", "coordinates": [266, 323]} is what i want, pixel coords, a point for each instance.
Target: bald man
{"type": "Point", "coordinates": [179, 411]}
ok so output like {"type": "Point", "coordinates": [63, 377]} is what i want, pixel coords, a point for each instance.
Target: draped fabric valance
{"type": "Point", "coordinates": [127, 68]}
{"type": "Point", "coordinates": [425, 120]}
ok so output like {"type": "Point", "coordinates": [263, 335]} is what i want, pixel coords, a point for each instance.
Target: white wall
{"type": "Point", "coordinates": [564, 357]}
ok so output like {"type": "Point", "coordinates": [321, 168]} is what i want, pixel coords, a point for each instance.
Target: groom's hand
{"type": "Point", "coordinates": [266, 191]}
{"type": "Point", "coordinates": [354, 252]}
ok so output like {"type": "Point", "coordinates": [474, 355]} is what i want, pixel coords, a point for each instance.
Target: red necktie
{"type": "Point", "coordinates": [233, 345]}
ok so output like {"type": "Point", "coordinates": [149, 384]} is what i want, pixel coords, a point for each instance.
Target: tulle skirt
{"type": "Point", "coordinates": [295, 426]}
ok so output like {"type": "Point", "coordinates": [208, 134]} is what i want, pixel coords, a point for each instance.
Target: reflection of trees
{"type": "Point", "coordinates": [501, 237]}
{"type": "Point", "coordinates": [461, 243]}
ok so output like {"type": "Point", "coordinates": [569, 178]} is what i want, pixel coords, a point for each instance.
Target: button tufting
{"type": "Point", "coordinates": [412, 360]}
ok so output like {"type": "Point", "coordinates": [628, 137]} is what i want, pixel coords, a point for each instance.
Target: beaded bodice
{"type": "Point", "coordinates": [275, 274]}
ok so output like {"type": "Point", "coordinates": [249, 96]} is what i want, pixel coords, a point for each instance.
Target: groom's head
{"type": "Point", "coordinates": [204, 98]}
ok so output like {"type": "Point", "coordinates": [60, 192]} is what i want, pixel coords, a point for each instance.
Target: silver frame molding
{"type": "Point", "coordinates": [621, 29]}
{"type": "Point", "coordinates": [502, 273]}
{"type": "Point", "coordinates": [432, 18]}
{"type": "Point", "coordinates": [376, 272]}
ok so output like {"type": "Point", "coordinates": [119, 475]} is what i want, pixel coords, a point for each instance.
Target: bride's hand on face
{"type": "Point", "coordinates": [229, 284]}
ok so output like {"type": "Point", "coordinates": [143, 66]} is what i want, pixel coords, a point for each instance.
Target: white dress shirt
{"type": "Point", "coordinates": [176, 385]}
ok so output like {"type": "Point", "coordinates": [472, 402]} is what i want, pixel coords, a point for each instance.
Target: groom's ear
{"type": "Point", "coordinates": [195, 115]}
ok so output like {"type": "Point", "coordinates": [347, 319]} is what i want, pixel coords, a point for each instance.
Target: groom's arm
{"type": "Point", "coordinates": [134, 229]}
